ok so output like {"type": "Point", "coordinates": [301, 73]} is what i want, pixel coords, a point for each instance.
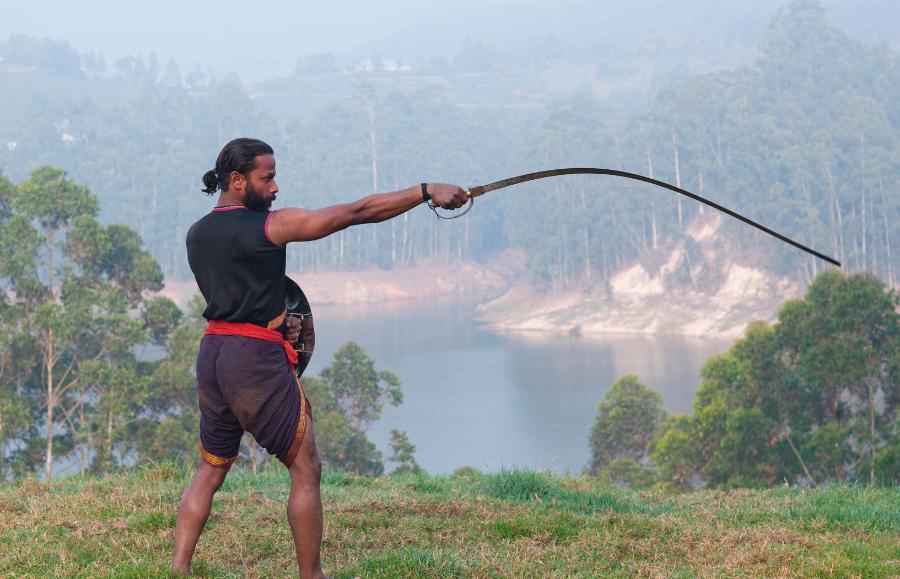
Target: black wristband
{"type": "Point", "coordinates": [425, 194]}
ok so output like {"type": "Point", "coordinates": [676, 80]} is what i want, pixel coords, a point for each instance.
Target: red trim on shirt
{"type": "Point", "coordinates": [218, 209]}
{"type": "Point", "coordinates": [266, 227]}
{"type": "Point", "coordinates": [223, 328]}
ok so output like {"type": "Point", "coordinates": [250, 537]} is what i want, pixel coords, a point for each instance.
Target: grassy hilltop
{"type": "Point", "coordinates": [510, 524]}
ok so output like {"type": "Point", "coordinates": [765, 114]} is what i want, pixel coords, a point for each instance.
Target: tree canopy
{"type": "Point", "coordinates": [812, 399]}
{"type": "Point", "coordinates": [805, 138]}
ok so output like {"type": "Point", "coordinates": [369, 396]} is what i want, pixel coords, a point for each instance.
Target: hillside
{"type": "Point", "coordinates": [803, 138]}
{"type": "Point", "coordinates": [689, 287]}
{"type": "Point", "coordinates": [514, 523]}
{"type": "Point", "coordinates": [692, 286]}
{"type": "Point", "coordinates": [426, 282]}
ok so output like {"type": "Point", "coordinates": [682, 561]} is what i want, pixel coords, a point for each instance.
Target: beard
{"type": "Point", "coordinates": [254, 201]}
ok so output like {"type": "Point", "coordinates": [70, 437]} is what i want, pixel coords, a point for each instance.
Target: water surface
{"type": "Point", "coordinates": [492, 401]}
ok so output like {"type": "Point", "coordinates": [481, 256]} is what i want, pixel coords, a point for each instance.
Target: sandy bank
{"type": "Point", "coordinates": [376, 285]}
{"type": "Point", "coordinates": [690, 291]}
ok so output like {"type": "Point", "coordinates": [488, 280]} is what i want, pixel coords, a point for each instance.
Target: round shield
{"type": "Point", "coordinates": [298, 306]}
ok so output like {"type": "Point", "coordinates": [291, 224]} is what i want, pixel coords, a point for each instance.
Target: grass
{"type": "Point", "coordinates": [515, 523]}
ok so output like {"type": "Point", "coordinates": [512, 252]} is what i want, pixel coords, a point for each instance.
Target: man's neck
{"type": "Point", "coordinates": [228, 199]}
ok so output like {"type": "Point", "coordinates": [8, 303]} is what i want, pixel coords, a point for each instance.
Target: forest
{"type": "Point", "coordinates": [96, 196]}
{"type": "Point", "coordinates": [812, 399]}
{"type": "Point", "coordinates": [803, 138]}
{"type": "Point", "coordinates": [94, 356]}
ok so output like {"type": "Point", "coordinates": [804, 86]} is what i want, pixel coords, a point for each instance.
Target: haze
{"type": "Point", "coordinates": [259, 41]}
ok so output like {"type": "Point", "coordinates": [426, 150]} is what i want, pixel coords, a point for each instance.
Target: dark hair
{"type": "Point", "coordinates": [238, 156]}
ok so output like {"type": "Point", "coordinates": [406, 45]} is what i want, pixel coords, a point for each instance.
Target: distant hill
{"type": "Point", "coordinates": [688, 286]}
{"type": "Point", "coordinates": [798, 131]}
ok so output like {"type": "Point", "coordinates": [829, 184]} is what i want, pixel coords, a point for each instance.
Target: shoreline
{"type": "Point", "coordinates": [503, 302]}
{"type": "Point", "coordinates": [672, 294]}
{"type": "Point", "coordinates": [374, 286]}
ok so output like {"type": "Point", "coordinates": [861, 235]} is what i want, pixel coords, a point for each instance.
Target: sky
{"type": "Point", "coordinates": [262, 40]}
{"type": "Point", "coordinates": [267, 36]}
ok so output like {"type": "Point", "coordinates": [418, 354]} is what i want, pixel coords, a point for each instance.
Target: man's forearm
{"type": "Point", "coordinates": [295, 224]}
{"type": "Point", "coordinates": [381, 206]}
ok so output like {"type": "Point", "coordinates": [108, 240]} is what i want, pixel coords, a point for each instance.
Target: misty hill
{"type": "Point", "coordinates": [803, 138]}
{"type": "Point", "coordinates": [418, 32]}
{"type": "Point", "coordinates": [689, 287]}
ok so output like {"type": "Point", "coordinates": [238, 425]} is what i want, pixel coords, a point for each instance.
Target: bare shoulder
{"type": "Point", "coordinates": [285, 215]}
{"type": "Point", "coordinates": [297, 224]}
{"type": "Point", "coordinates": [280, 221]}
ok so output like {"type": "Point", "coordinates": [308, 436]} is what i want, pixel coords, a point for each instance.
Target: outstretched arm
{"type": "Point", "coordinates": [295, 224]}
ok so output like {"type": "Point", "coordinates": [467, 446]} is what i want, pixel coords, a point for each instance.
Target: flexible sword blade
{"type": "Point", "coordinates": [482, 189]}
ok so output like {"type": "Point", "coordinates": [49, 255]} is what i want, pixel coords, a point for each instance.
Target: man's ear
{"type": "Point", "coordinates": [236, 180]}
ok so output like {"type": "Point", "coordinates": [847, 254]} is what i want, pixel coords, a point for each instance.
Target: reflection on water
{"type": "Point", "coordinates": [472, 397]}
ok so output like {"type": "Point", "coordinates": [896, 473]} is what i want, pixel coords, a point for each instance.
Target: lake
{"type": "Point", "coordinates": [477, 398]}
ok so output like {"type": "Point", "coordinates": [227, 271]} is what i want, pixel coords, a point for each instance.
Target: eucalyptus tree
{"type": "Point", "coordinates": [627, 421]}
{"type": "Point", "coordinates": [843, 340]}
{"type": "Point", "coordinates": [72, 285]}
{"type": "Point", "coordinates": [50, 202]}
{"type": "Point", "coordinates": [403, 454]}
{"type": "Point", "coordinates": [813, 399]}
{"type": "Point", "coordinates": [347, 398]}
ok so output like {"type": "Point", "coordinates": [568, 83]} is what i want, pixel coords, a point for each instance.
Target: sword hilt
{"type": "Point", "coordinates": [469, 205]}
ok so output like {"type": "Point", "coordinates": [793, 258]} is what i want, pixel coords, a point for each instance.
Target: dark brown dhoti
{"type": "Point", "coordinates": [248, 384]}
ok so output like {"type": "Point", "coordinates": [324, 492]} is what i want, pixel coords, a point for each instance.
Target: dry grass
{"type": "Point", "coordinates": [510, 524]}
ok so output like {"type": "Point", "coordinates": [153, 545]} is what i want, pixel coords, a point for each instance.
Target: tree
{"type": "Point", "coordinates": [812, 399]}
{"type": "Point", "coordinates": [70, 334]}
{"type": "Point", "coordinates": [403, 453]}
{"type": "Point", "coordinates": [843, 342]}
{"type": "Point", "coordinates": [171, 426]}
{"type": "Point", "coordinates": [676, 455]}
{"type": "Point", "coordinates": [359, 390]}
{"type": "Point", "coordinates": [627, 421]}
{"type": "Point", "coordinates": [347, 398]}
{"type": "Point", "coordinates": [53, 202]}
{"type": "Point", "coordinates": [805, 138]}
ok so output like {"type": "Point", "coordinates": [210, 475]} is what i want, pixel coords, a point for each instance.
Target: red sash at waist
{"type": "Point", "coordinates": [222, 328]}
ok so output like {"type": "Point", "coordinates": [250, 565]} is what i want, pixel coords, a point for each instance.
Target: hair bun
{"type": "Point", "coordinates": [211, 180]}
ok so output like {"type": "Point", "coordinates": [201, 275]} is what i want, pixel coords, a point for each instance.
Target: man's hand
{"type": "Point", "coordinates": [447, 196]}
{"type": "Point", "coordinates": [292, 329]}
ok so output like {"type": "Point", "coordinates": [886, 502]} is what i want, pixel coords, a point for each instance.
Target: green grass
{"type": "Point", "coordinates": [514, 523]}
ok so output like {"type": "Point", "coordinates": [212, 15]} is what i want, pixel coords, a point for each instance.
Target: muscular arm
{"type": "Point", "coordinates": [295, 224]}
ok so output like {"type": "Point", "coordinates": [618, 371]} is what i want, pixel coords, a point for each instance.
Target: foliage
{"type": "Point", "coordinates": [48, 55]}
{"type": "Point", "coordinates": [93, 356]}
{"type": "Point", "coordinates": [626, 422]}
{"type": "Point", "coordinates": [804, 139]}
{"type": "Point", "coordinates": [347, 397]}
{"type": "Point", "coordinates": [403, 454]}
{"type": "Point", "coordinates": [813, 399]}
{"type": "Point", "coordinates": [628, 473]}
{"type": "Point", "coordinates": [675, 454]}
{"type": "Point", "coordinates": [466, 471]}
{"type": "Point", "coordinates": [71, 364]}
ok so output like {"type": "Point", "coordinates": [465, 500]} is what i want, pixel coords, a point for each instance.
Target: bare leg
{"type": "Point", "coordinates": [193, 512]}
{"type": "Point", "coordinates": [304, 508]}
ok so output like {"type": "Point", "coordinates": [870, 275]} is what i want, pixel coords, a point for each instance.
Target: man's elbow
{"type": "Point", "coordinates": [364, 211]}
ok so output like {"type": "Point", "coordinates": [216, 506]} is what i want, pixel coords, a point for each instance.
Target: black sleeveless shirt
{"type": "Point", "coordinates": [239, 270]}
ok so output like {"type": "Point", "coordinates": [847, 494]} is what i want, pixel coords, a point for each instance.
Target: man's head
{"type": "Point", "coordinates": [245, 168]}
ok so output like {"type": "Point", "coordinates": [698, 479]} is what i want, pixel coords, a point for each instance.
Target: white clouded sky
{"type": "Point", "coordinates": [260, 39]}
{"type": "Point", "coordinates": [225, 32]}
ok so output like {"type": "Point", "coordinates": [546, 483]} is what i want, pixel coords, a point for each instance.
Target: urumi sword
{"type": "Point", "coordinates": [482, 189]}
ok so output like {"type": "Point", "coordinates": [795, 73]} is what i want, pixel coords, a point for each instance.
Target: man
{"type": "Point", "coordinates": [245, 375]}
